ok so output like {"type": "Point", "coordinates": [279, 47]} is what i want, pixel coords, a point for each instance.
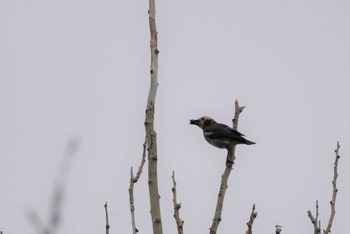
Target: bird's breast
{"type": "Point", "coordinates": [222, 144]}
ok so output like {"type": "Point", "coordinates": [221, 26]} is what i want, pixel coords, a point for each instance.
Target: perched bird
{"type": "Point", "coordinates": [220, 135]}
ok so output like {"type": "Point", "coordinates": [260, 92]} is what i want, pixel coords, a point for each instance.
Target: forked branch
{"type": "Point", "coordinates": [151, 136]}
{"type": "Point", "coordinates": [133, 181]}
{"type": "Point", "coordinates": [252, 217]}
{"type": "Point", "coordinates": [314, 219]}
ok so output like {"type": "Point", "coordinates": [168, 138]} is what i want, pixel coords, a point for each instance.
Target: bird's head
{"type": "Point", "coordinates": [202, 122]}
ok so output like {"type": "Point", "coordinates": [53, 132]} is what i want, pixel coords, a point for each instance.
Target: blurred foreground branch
{"type": "Point", "coordinates": [55, 214]}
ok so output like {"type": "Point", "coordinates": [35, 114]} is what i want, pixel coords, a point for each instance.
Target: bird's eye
{"type": "Point", "coordinates": [202, 119]}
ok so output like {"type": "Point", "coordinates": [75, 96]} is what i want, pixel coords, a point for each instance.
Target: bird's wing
{"type": "Point", "coordinates": [221, 131]}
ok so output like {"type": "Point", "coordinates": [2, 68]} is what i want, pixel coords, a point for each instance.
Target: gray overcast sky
{"type": "Point", "coordinates": [81, 68]}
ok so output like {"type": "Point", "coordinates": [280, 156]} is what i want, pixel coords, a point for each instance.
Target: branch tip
{"type": "Point", "coordinates": [177, 207]}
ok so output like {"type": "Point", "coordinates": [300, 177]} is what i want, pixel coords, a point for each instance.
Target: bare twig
{"type": "Point", "coordinates": [278, 229]}
{"type": "Point", "coordinates": [177, 206]}
{"type": "Point", "coordinates": [143, 160]}
{"type": "Point", "coordinates": [335, 191]}
{"type": "Point", "coordinates": [151, 135]}
{"type": "Point", "coordinates": [231, 153]}
{"type": "Point", "coordinates": [238, 111]}
{"type": "Point", "coordinates": [314, 220]}
{"type": "Point", "coordinates": [107, 221]}
{"type": "Point", "coordinates": [224, 178]}
{"type": "Point", "coordinates": [134, 180]}
{"type": "Point", "coordinates": [253, 215]}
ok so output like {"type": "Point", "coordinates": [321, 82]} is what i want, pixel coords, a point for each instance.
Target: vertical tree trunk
{"type": "Point", "coordinates": [151, 135]}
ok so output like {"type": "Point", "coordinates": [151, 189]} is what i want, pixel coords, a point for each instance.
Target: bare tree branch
{"type": "Point", "coordinates": [224, 178]}
{"type": "Point", "coordinates": [314, 220]}
{"type": "Point", "coordinates": [107, 221]}
{"type": "Point", "coordinates": [253, 215]}
{"type": "Point", "coordinates": [238, 111]}
{"type": "Point", "coordinates": [231, 153]}
{"type": "Point", "coordinates": [177, 206]}
{"type": "Point", "coordinates": [151, 135]}
{"type": "Point", "coordinates": [335, 190]}
{"type": "Point", "coordinates": [133, 181]}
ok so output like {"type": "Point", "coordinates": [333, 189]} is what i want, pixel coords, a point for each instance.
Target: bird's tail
{"type": "Point", "coordinates": [248, 142]}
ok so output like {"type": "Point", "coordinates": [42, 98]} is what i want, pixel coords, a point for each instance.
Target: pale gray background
{"type": "Point", "coordinates": [81, 68]}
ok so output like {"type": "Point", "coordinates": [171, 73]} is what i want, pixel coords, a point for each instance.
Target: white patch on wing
{"type": "Point", "coordinates": [208, 134]}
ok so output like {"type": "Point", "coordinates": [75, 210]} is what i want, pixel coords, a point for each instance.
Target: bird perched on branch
{"type": "Point", "coordinates": [220, 135]}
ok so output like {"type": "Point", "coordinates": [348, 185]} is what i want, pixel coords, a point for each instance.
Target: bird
{"type": "Point", "coordinates": [218, 134]}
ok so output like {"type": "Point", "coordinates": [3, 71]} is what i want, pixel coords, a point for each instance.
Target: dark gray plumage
{"type": "Point", "coordinates": [220, 135]}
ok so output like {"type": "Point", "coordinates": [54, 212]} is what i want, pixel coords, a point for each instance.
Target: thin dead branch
{"type": "Point", "coordinates": [107, 221]}
{"type": "Point", "coordinates": [177, 206]}
{"type": "Point", "coordinates": [224, 178]}
{"type": "Point", "coordinates": [314, 220]}
{"type": "Point", "coordinates": [335, 191]}
{"type": "Point", "coordinates": [252, 217]}
{"type": "Point", "coordinates": [133, 181]}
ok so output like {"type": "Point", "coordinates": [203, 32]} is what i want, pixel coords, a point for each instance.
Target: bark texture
{"type": "Point", "coordinates": [177, 207]}
{"type": "Point", "coordinates": [151, 136]}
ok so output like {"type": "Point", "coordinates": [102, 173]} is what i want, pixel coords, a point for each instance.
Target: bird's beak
{"type": "Point", "coordinates": [194, 121]}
